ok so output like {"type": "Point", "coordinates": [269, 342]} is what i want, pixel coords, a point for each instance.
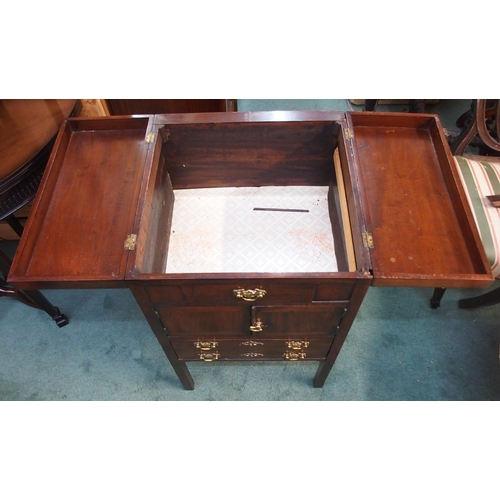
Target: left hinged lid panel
{"type": "Point", "coordinates": [86, 210]}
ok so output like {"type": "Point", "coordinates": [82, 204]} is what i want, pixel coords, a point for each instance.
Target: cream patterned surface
{"type": "Point", "coordinates": [218, 231]}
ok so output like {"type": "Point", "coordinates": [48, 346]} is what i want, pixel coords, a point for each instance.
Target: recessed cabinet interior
{"type": "Point", "coordinates": [251, 236]}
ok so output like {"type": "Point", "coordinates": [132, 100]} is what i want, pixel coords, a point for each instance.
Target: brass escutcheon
{"type": "Point", "coordinates": [297, 345]}
{"type": "Point", "coordinates": [256, 326]}
{"type": "Point", "coordinates": [252, 354]}
{"type": "Point", "coordinates": [249, 295]}
{"type": "Point", "coordinates": [251, 343]}
{"type": "Point", "coordinates": [294, 356]}
{"type": "Point", "coordinates": [206, 346]}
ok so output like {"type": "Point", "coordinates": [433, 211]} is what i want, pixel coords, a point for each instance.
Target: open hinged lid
{"type": "Point", "coordinates": [105, 162]}
{"type": "Point", "coordinates": [418, 228]}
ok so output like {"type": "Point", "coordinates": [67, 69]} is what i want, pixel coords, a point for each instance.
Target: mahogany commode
{"type": "Point", "coordinates": [395, 208]}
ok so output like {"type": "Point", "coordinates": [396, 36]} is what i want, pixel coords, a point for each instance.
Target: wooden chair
{"type": "Point", "coordinates": [480, 174]}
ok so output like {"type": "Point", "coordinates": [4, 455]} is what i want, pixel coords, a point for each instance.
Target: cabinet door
{"type": "Point", "coordinates": [297, 321]}
{"type": "Point", "coordinates": [209, 320]}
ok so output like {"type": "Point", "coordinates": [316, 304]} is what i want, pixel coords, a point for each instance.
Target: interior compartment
{"type": "Point", "coordinates": [201, 201]}
{"type": "Point", "coordinates": [251, 229]}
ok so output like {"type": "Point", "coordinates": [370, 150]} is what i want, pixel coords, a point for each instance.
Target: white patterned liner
{"type": "Point", "coordinates": [217, 230]}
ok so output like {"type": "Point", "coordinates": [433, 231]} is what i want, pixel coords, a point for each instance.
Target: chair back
{"type": "Point", "coordinates": [484, 124]}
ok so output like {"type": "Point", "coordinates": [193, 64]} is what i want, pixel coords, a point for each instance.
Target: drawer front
{"type": "Point", "coordinates": [252, 350]}
{"type": "Point", "coordinates": [250, 292]}
{"type": "Point", "coordinates": [297, 321]}
{"type": "Point", "coordinates": [258, 321]}
{"type": "Point", "coordinates": [195, 321]}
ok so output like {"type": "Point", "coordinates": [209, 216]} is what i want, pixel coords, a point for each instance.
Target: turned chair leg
{"type": "Point", "coordinates": [436, 297]}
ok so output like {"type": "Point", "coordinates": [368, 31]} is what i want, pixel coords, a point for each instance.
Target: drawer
{"type": "Point", "coordinates": [296, 321]}
{"type": "Point", "coordinates": [166, 294]}
{"type": "Point", "coordinates": [229, 293]}
{"type": "Point", "coordinates": [253, 292]}
{"type": "Point", "coordinates": [250, 291]}
{"type": "Point", "coordinates": [257, 321]}
{"type": "Point", "coordinates": [252, 350]}
{"type": "Point", "coordinates": [193, 320]}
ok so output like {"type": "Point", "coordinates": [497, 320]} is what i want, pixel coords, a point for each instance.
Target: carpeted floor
{"type": "Point", "coordinates": [398, 348]}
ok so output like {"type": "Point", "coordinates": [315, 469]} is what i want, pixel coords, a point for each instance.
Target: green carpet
{"type": "Point", "coordinates": [397, 350]}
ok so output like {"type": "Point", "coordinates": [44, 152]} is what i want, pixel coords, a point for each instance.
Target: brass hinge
{"type": "Point", "coordinates": [130, 242]}
{"type": "Point", "coordinates": [367, 240]}
{"type": "Point", "coordinates": [348, 133]}
{"type": "Point", "coordinates": [150, 137]}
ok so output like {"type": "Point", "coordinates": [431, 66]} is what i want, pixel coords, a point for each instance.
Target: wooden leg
{"type": "Point", "coordinates": [370, 104]}
{"type": "Point", "coordinates": [32, 298]}
{"type": "Point", "coordinates": [179, 367]}
{"type": "Point", "coordinates": [417, 106]}
{"type": "Point", "coordinates": [342, 330]}
{"type": "Point", "coordinates": [36, 299]}
{"type": "Point", "coordinates": [436, 297]}
{"type": "Point", "coordinates": [486, 299]}
{"type": "Point", "coordinates": [322, 373]}
{"type": "Point", "coordinates": [182, 372]}
{"type": "Point", "coordinates": [156, 325]}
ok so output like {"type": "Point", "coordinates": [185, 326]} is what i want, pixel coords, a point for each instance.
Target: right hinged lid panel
{"type": "Point", "coordinates": [419, 228]}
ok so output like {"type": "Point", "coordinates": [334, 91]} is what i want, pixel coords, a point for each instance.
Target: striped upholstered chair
{"type": "Point", "coordinates": [480, 176]}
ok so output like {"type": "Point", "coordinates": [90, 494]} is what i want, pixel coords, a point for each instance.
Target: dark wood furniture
{"type": "Point", "coordinates": [158, 106]}
{"type": "Point", "coordinates": [387, 176]}
{"type": "Point", "coordinates": [481, 129]}
{"type": "Point", "coordinates": [27, 133]}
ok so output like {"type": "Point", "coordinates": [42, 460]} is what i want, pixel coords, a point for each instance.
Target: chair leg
{"type": "Point", "coordinates": [14, 223]}
{"type": "Point", "coordinates": [32, 298]}
{"type": "Point", "coordinates": [486, 299]}
{"type": "Point", "coordinates": [436, 297]}
{"type": "Point", "coordinates": [370, 104]}
{"type": "Point", "coordinates": [417, 106]}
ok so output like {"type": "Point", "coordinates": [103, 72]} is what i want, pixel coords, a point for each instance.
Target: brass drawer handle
{"type": "Point", "coordinates": [256, 326]}
{"type": "Point", "coordinates": [294, 356]}
{"type": "Point", "coordinates": [297, 345]}
{"type": "Point", "coordinates": [249, 295]}
{"type": "Point", "coordinates": [252, 354]}
{"type": "Point", "coordinates": [209, 356]}
{"type": "Point", "coordinates": [251, 343]}
{"type": "Point", "coordinates": [206, 346]}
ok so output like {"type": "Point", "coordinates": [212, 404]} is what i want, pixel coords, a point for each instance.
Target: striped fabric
{"type": "Point", "coordinates": [480, 179]}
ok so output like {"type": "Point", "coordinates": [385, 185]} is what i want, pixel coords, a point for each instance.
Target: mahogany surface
{"type": "Point", "coordinates": [421, 230]}
{"type": "Point", "coordinates": [121, 172]}
{"type": "Point", "coordinates": [249, 154]}
{"type": "Point", "coordinates": [91, 187]}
